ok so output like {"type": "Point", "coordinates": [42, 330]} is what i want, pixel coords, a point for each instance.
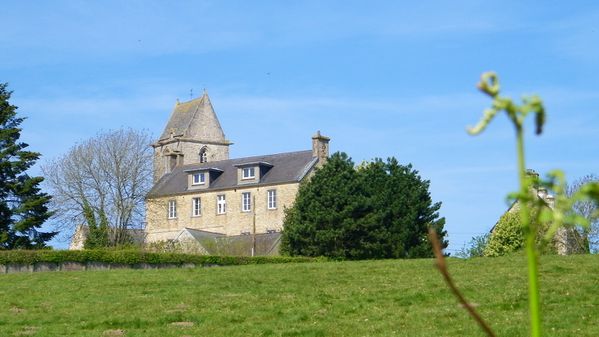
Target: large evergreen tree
{"type": "Point", "coordinates": [377, 210]}
{"type": "Point", "coordinates": [23, 207]}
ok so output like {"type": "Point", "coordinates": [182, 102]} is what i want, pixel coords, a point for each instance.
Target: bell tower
{"type": "Point", "coordinates": [192, 135]}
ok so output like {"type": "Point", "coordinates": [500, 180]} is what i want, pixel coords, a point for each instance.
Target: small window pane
{"type": "Point", "coordinates": [248, 172]}
{"type": "Point", "coordinates": [246, 201]}
{"type": "Point", "coordinates": [198, 178]}
{"type": "Point", "coordinates": [203, 156]}
{"type": "Point", "coordinates": [196, 207]}
{"type": "Point", "coordinates": [272, 199]}
{"type": "Point", "coordinates": [221, 204]}
{"type": "Point", "coordinates": [172, 209]}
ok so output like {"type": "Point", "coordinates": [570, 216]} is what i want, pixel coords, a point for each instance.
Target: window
{"type": "Point", "coordinates": [203, 155]}
{"type": "Point", "coordinates": [272, 199]}
{"type": "Point", "coordinates": [198, 179]}
{"type": "Point", "coordinates": [248, 173]}
{"type": "Point", "coordinates": [172, 209]}
{"type": "Point", "coordinates": [196, 207]}
{"type": "Point", "coordinates": [172, 162]}
{"type": "Point", "coordinates": [221, 204]}
{"type": "Point", "coordinates": [246, 202]}
{"type": "Point", "coordinates": [167, 166]}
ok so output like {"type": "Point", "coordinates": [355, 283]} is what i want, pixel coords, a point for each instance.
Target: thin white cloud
{"type": "Point", "coordinates": [143, 28]}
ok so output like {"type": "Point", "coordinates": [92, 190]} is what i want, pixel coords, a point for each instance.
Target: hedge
{"type": "Point", "coordinates": [131, 257]}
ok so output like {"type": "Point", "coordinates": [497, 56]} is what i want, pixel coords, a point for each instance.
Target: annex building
{"type": "Point", "coordinates": [200, 193]}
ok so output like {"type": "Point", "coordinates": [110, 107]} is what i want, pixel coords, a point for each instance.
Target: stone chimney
{"type": "Point", "coordinates": [320, 148]}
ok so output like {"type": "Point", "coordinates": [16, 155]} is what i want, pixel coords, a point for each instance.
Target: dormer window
{"type": "Point", "coordinates": [248, 173]}
{"type": "Point", "coordinates": [198, 178]}
{"type": "Point", "coordinates": [251, 172]}
{"type": "Point", "coordinates": [203, 155]}
{"type": "Point", "coordinates": [202, 178]}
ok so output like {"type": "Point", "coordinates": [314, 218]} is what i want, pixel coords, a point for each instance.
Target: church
{"type": "Point", "coordinates": [199, 193]}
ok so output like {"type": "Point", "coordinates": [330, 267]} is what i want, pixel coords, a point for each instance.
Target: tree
{"type": "Point", "coordinates": [508, 235]}
{"type": "Point", "coordinates": [586, 238]}
{"type": "Point", "coordinates": [475, 247]}
{"type": "Point", "coordinates": [98, 236]}
{"type": "Point", "coordinates": [103, 181]}
{"type": "Point", "coordinates": [378, 210]}
{"type": "Point", "coordinates": [23, 207]}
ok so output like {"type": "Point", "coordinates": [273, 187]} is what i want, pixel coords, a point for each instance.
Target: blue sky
{"type": "Point", "coordinates": [390, 78]}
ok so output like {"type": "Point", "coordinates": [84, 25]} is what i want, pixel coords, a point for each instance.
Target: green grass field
{"type": "Point", "coordinates": [366, 298]}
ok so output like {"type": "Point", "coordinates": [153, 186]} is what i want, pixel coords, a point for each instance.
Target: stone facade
{"type": "Point", "coordinates": [233, 222]}
{"type": "Point", "coordinates": [192, 172]}
{"type": "Point", "coordinates": [175, 152]}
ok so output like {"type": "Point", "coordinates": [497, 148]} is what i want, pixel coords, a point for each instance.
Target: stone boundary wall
{"type": "Point", "coordinates": [71, 266]}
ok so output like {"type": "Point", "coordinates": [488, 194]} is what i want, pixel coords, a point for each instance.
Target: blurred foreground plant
{"type": "Point", "coordinates": [533, 211]}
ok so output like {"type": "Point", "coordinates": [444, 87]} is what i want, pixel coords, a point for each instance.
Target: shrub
{"type": "Point", "coordinates": [130, 257]}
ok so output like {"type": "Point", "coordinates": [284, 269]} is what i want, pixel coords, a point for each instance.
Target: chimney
{"type": "Point", "coordinates": [320, 148]}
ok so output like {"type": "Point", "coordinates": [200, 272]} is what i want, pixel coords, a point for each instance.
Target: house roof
{"type": "Point", "coordinates": [266, 243]}
{"type": "Point", "coordinates": [286, 167]}
{"type": "Point", "coordinates": [194, 119]}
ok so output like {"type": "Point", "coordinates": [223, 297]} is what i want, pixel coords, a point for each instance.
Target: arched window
{"type": "Point", "coordinates": [203, 155]}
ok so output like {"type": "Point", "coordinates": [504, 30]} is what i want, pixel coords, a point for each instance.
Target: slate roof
{"type": "Point", "coordinates": [286, 167]}
{"type": "Point", "coordinates": [194, 119]}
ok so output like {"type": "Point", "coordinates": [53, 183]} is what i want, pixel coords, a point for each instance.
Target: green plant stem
{"type": "Point", "coordinates": [531, 253]}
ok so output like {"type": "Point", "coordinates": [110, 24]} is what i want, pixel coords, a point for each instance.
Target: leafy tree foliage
{"type": "Point", "coordinates": [377, 210]}
{"type": "Point", "coordinates": [23, 207]}
{"type": "Point", "coordinates": [508, 235]}
{"type": "Point", "coordinates": [98, 235]}
{"type": "Point", "coordinates": [475, 247]}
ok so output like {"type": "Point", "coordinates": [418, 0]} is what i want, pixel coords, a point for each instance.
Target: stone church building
{"type": "Point", "coordinates": [201, 193]}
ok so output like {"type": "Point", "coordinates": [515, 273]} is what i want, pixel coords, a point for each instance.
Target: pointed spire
{"type": "Point", "coordinates": [195, 119]}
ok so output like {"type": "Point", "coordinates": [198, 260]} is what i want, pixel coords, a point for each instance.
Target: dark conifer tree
{"type": "Point", "coordinates": [23, 206]}
{"type": "Point", "coordinates": [377, 210]}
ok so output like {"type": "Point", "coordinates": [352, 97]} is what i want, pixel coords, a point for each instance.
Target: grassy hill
{"type": "Point", "coordinates": [365, 298]}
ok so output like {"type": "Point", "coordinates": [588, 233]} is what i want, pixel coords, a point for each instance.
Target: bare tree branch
{"type": "Point", "coordinates": [111, 171]}
{"type": "Point", "coordinates": [588, 237]}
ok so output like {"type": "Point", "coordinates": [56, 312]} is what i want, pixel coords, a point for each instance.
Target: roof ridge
{"type": "Point", "coordinates": [211, 163]}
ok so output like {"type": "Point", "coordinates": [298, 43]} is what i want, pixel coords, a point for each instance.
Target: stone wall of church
{"type": "Point", "coordinates": [191, 152]}
{"type": "Point", "coordinates": [188, 153]}
{"type": "Point", "coordinates": [233, 222]}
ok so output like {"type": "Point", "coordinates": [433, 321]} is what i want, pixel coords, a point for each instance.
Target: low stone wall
{"type": "Point", "coordinates": [70, 266]}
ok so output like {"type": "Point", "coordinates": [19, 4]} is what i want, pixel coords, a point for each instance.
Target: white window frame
{"type": "Point", "coordinates": [196, 206]}
{"type": "Point", "coordinates": [221, 204]}
{"type": "Point", "coordinates": [201, 178]}
{"type": "Point", "coordinates": [246, 202]}
{"type": "Point", "coordinates": [248, 173]}
{"type": "Point", "coordinates": [172, 209]}
{"type": "Point", "coordinates": [271, 199]}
